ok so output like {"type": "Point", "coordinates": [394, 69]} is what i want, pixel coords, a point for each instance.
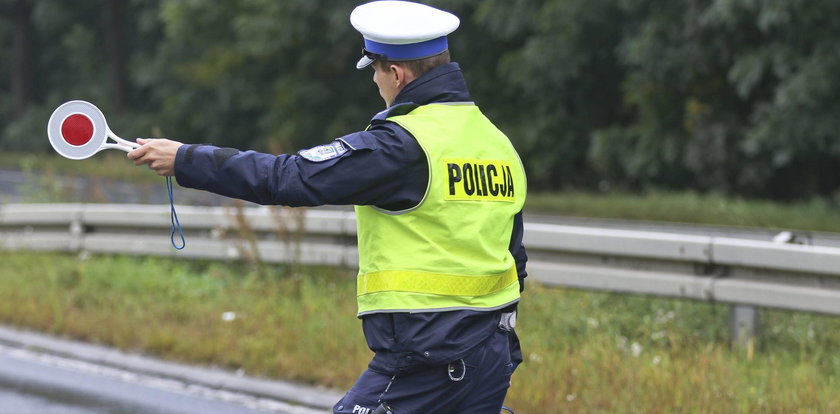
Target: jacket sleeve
{"type": "Point", "coordinates": [378, 167]}
{"type": "Point", "coordinates": [517, 249]}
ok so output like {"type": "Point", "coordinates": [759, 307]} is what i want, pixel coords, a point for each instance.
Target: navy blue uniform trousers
{"type": "Point", "coordinates": [475, 384]}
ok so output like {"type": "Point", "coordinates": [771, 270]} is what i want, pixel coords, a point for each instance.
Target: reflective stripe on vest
{"type": "Point", "coordinates": [450, 251]}
{"type": "Point", "coordinates": [435, 283]}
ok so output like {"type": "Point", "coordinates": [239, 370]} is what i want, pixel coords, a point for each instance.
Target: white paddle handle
{"type": "Point", "coordinates": [120, 147]}
{"type": "Point", "coordinates": [122, 144]}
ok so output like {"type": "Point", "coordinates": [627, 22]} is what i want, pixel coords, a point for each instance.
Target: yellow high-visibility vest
{"type": "Point", "coordinates": [452, 250]}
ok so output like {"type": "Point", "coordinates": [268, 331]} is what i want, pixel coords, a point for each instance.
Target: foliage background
{"type": "Point", "coordinates": [736, 97]}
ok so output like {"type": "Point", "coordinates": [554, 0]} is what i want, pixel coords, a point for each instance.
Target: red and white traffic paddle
{"type": "Point", "coordinates": [77, 130]}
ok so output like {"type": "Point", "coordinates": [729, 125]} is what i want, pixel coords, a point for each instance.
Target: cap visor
{"type": "Point", "coordinates": [364, 62]}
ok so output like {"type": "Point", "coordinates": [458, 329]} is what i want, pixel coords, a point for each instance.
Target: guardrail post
{"type": "Point", "coordinates": [744, 326]}
{"type": "Point", "coordinates": [77, 232]}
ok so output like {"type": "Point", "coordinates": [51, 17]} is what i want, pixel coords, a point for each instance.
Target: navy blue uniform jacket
{"type": "Point", "coordinates": [382, 166]}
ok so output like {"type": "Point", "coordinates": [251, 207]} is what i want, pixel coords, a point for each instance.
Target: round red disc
{"type": "Point", "coordinates": [77, 129]}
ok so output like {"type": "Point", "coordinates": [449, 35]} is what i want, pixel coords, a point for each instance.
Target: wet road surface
{"type": "Point", "coordinates": [36, 383]}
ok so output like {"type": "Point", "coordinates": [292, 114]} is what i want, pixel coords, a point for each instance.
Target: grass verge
{"type": "Point", "coordinates": [585, 352]}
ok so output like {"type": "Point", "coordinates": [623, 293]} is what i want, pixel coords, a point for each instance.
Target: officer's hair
{"type": "Point", "coordinates": [418, 66]}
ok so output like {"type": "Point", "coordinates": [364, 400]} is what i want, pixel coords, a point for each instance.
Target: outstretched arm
{"type": "Point", "coordinates": [382, 166]}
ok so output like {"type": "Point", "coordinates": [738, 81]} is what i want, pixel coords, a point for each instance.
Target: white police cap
{"type": "Point", "coordinates": [401, 30]}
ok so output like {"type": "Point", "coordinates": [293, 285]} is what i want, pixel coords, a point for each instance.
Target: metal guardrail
{"type": "Point", "coordinates": [277, 235]}
{"type": "Point", "coordinates": [706, 268]}
{"type": "Point", "coordinates": [748, 272]}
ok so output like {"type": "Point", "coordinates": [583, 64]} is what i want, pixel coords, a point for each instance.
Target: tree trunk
{"type": "Point", "coordinates": [22, 66]}
{"type": "Point", "coordinates": [114, 20]}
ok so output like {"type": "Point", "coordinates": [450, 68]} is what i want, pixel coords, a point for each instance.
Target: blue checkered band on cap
{"type": "Point", "coordinates": [409, 51]}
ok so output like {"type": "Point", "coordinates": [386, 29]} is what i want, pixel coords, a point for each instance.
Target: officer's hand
{"type": "Point", "coordinates": [158, 154]}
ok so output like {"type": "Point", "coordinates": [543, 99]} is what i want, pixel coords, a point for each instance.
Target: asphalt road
{"type": "Point", "coordinates": [38, 383]}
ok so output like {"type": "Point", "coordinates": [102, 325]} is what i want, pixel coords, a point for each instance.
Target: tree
{"type": "Point", "coordinates": [731, 96]}
{"type": "Point", "coordinates": [23, 68]}
{"type": "Point", "coordinates": [686, 118]}
{"type": "Point", "coordinates": [113, 18]}
{"type": "Point", "coordinates": [785, 61]}
{"type": "Point", "coordinates": [548, 74]}
{"type": "Point", "coordinates": [259, 73]}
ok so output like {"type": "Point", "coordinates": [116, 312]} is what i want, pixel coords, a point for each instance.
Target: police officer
{"type": "Point", "coordinates": [438, 192]}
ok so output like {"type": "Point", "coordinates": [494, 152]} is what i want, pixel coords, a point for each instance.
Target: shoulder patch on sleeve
{"type": "Point", "coordinates": [326, 152]}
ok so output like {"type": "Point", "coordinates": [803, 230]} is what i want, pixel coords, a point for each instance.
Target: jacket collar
{"type": "Point", "coordinates": [444, 83]}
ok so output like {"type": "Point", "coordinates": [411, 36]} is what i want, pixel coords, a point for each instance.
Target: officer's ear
{"type": "Point", "coordinates": [401, 75]}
